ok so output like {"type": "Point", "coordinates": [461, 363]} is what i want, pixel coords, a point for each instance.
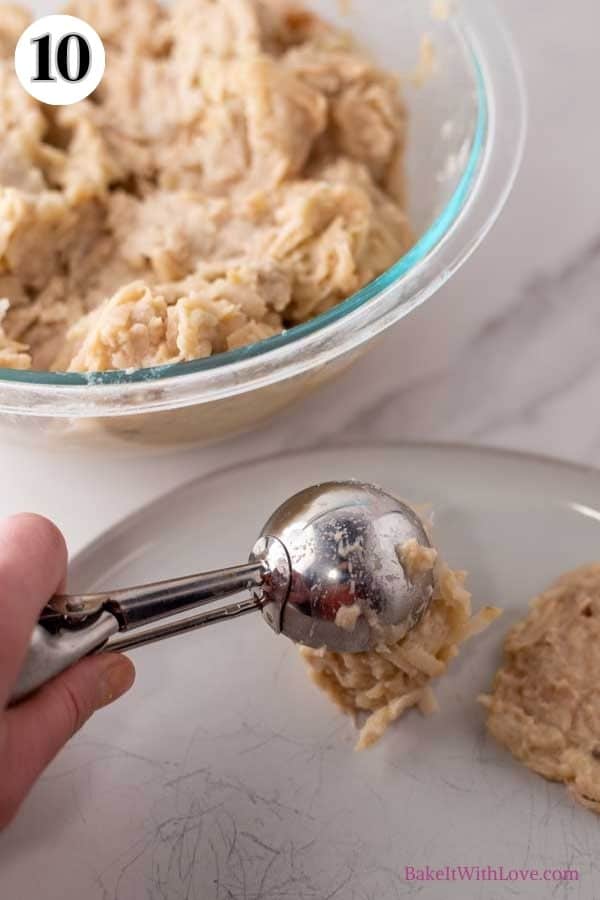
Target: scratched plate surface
{"type": "Point", "coordinates": [225, 775]}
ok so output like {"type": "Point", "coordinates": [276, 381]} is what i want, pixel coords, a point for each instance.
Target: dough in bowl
{"type": "Point", "coordinates": [545, 702]}
{"type": "Point", "coordinates": [240, 169]}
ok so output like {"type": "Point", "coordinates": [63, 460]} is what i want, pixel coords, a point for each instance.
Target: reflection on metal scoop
{"type": "Point", "coordinates": [342, 540]}
{"type": "Point", "coordinates": [333, 547]}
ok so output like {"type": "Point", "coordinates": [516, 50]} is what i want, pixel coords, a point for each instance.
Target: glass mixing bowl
{"type": "Point", "coordinates": [465, 142]}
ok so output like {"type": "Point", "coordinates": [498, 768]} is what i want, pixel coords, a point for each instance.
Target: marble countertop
{"type": "Point", "coordinates": [506, 354]}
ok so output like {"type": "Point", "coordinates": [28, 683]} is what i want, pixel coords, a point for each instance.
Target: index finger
{"type": "Point", "coordinates": [33, 563]}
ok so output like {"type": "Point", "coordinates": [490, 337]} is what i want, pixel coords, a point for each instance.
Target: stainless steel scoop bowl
{"type": "Point", "coordinates": [331, 549]}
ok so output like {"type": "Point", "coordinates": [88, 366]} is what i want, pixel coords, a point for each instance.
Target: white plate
{"type": "Point", "coordinates": [227, 775]}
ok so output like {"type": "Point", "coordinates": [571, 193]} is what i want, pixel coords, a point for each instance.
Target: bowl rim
{"type": "Point", "coordinates": [477, 200]}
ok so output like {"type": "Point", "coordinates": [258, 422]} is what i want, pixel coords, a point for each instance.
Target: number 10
{"type": "Point", "coordinates": [62, 58]}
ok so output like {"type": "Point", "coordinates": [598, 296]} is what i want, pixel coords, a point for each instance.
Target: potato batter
{"type": "Point", "coordinates": [397, 674]}
{"type": "Point", "coordinates": [545, 704]}
{"type": "Point", "coordinates": [238, 170]}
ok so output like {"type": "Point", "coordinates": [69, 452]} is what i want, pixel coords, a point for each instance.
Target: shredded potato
{"type": "Point", "coordinates": [545, 702]}
{"type": "Point", "coordinates": [387, 681]}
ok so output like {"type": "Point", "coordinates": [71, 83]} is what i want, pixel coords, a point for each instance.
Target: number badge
{"type": "Point", "coordinates": [60, 60]}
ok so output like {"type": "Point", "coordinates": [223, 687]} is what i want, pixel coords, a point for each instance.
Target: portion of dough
{"type": "Point", "coordinates": [13, 355]}
{"type": "Point", "coordinates": [347, 617]}
{"type": "Point", "coordinates": [239, 170]}
{"type": "Point", "coordinates": [397, 674]}
{"type": "Point", "coordinates": [416, 559]}
{"type": "Point", "coordinates": [545, 704]}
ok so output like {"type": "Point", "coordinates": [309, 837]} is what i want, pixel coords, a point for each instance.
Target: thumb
{"type": "Point", "coordinates": [37, 728]}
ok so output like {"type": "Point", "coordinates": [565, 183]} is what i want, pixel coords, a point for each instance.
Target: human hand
{"type": "Point", "coordinates": [33, 564]}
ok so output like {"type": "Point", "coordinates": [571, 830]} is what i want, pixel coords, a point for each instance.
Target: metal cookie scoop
{"type": "Point", "coordinates": [330, 547]}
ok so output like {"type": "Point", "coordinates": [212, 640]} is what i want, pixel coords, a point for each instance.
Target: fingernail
{"type": "Point", "coordinates": [117, 678]}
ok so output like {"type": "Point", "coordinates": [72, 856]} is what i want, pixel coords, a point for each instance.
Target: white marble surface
{"type": "Point", "coordinates": [506, 354]}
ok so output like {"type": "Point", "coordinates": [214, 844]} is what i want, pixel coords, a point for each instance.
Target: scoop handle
{"type": "Point", "coordinates": [73, 626]}
{"type": "Point", "coordinates": [50, 654]}
{"type": "Point", "coordinates": [138, 606]}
